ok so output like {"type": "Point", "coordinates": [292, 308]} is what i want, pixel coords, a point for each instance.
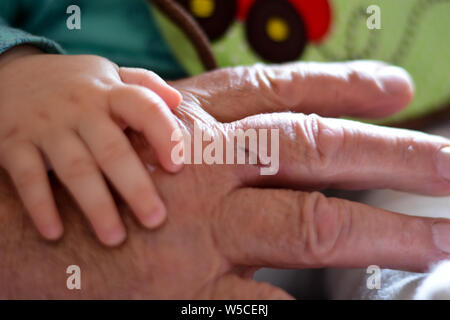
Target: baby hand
{"type": "Point", "coordinates": [72, 110]}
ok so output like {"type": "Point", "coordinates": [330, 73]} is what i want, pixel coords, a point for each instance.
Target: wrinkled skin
{"type": "Point", "coordinates": [225, 221]}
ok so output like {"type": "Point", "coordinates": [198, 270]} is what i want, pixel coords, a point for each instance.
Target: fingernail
{"type": "Point", "coordinates": [53, 231]}
{"type": "Point", "coordinates": [441, 235]}
{"type": "Point", "coordinates": [115, 237]}
{"type": "Point", "coordinates": [395, 80]}
{"type": "Point", "coordinates": [154, 218]}
{"type": "Point", "coordinates": [176, 167]}
{"type": "Point", "coordinates": [443, 162]}
{"type": "Point", "coordinates": [177, 99]}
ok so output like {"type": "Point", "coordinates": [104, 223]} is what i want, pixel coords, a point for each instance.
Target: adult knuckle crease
{"type": "Point", "coordinates": [323, 226]}
{"type": "Point", "coordinates": [321, 143]}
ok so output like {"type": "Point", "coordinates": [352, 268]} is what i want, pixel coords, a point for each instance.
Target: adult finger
{"type": "Point", "coordinates": [26, 168]}
{"type": "Point", "coordinates": [316, 153]}
{"type": "Point", "coordinates": [367, 89]}
{"type": "Point", "coordinates": [290, 229]}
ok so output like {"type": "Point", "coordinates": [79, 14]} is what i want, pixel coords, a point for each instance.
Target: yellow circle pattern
{"type": "Point", "coordinates": [277, 29]}
{"type": "Point", "coordinates": [202, 8]}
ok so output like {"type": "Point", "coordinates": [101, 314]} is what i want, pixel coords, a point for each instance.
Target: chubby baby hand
{"type": "Point", "coordinates": [71, 111]}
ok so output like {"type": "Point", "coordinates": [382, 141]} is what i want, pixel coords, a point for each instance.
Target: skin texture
{"type": "Point", "coordinates": [226, 221]}
{"type": "Point", "coordinates": [72, 110]}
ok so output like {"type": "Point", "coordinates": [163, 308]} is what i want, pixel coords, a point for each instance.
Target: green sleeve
{"type": "Point", "coordinates": [11, 37]}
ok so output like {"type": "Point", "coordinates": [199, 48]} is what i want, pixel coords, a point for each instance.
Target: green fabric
{"type": "Point", "coordinates": [120, 30]}
{"type": "Point", "coordinates": [10, 37]}
{"type": "Point", "coordinates": [414, 34]}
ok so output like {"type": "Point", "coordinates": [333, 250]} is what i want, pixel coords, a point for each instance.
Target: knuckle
{"type": "Point", "coordinates": [148, 101]}
{"type": "Point", "coordinates": [92, 96]}
{"type": "Point", "coordinates": [154, 102]}
{"type": "Point", "coordinates": [360, 79]}
{"type": "Point", "coordinates": [277, 87]}
{"type": "Point", "coordinates": [151, 106]}
{"type": "Point", "coordinates": [323, 225]}
{"type": "Point", "coordinates": [151, 74]}
{"type": "Point", "coordinates": [148, 76]}
{"type": "Point", "coordinates": [101, 59]}
{"type": "Point", "coordinates": [322, 144]}
{"type": "Point", "coordinates": [111, 152]}
{"type": "Point", "coordinates": [95, 61]}
{"type": "Point", "coordinates": [113, 92]}
{"type": "Point", "coordinates": [79, 167]}
{"type": "Point", "coordinates": [98, 92]}
{"type": "Point", "coordinates": [354, 76]}
{"type": "Point", "coordinates": [263, 80]}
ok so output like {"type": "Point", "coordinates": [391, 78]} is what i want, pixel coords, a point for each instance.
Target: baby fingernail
{"type": "Point", "coordinates": [114, 237]}
{"type": "Point", "coordinates": [443, 162]}
{"type": "Point", "coordinates": [53, 231]}
{"type": "Point", "coordinates": [154, 218]}
{"type": "Point", "coordinates": [176, 98]}
{"type": "Point", "coordinates": [441, 235]}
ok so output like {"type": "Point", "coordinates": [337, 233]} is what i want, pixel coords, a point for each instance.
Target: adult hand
{"type": "Point", "coordinates": [225, 221]}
